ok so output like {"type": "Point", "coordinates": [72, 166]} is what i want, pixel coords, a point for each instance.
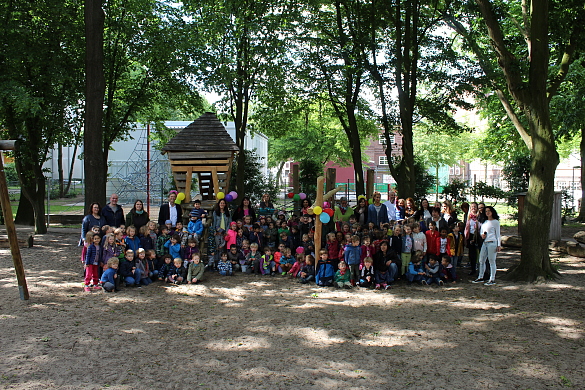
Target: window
{"type": "Point", "coordinates": [455, 170]}
{"type": "Point", "coordinates": [382, 139]}
{"type": "Point", "coordinates": [382, 160]}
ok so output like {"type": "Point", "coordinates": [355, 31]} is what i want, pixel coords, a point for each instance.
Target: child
{"type": "Point", "coordinates": [342, 276]}
{"type": "Point", "coordinates": [231, 234]}
{"type": "Point", "coordinates": [92, 261]}
{"type": "Point", "coordinates": [169, 225]}
{"type": "Point", "coordinates": [419, 239]}
{"type": "Point", "coordinates": [307, 274]}
{"type": "Point", "coordinates": [443, 243]}
{"type": "Point", "coordinates": [256, 236]}
{"type": "Point", "coordinates": [110, 277]}
{"type": "Point", "coordinates": [119, 236]}
{"type": "Point", "coordinates": [176, 272]}
{"type": "Point", "coordinates": [267, 265]}
{"type": "Point", "coordinates": [106, 229]}
{"type": "Point", "coordinates": [151, 264]}
{"type": "Point", "coordinates": [447, 270]}
{"type": "Point", "coordinates": [182, 233]}
{"type": "Point", "coordinates": [224, 266]}
{"type": "Point", "coordinates": [196, 270]}
{"type": "Point", "coordinates": [367, 273]}
{"type": "Point", "coordinates": [297, 266]}
{"type": "Point", "coordinates": [253, 259]}
{"type": "Point", "coordinates": [407, 245]}
{"type": "Point", "coordinates": [286, 261]}
{"type": "Point", "coordinates": [197, 211]}
{"type": "Point", "coordinates": [332, 247]}
{"type": "Point", "coordinates": [129, 271]}
{"type": "Point", "coordinates": [307, 245]}
{"type": "Point", "coordinates": [174, 246]}
{"type": "Point", "coordinates": [433, 275]}
{"type": "Point", "coordinates": [236, 258]}
{"type": "Point", "coordinates": [352, 257]}
{"type": "Point", "coordinates": [142, 265]}
{"type": "Point", "coordinates": [456, 245]}
{"type": "Point", "coordinates": [131, 240]}
{"type": "Point", "coordinates": [195, 226]}
{"type": "Point", "coordinates": [145, 240]}
{"type": "Point", "coordinates": [395, 242]}
{"type": "Point", "coordinates": [368, 250]}
{"type": "Point", "coordinates": [433, 237]}
{"type": "Point", "coordinates": [109, 250]}
{"type": "Point", "coordinates": [271, 235]}
{"type": "Point", "coordinates": [415, 271]}
{"type": "Point", "coordinates": [325, 270]}
{"type": "Point", "coordinates": [165, 268]}
{"type": "Point", "coordinates": [161, 250]}
{"type": "Point", "coordinates": [286, 240]}
{"type": "Point", "coordinates": [190, 249]}
{"type": "Point", "coordinates": [152, 232]}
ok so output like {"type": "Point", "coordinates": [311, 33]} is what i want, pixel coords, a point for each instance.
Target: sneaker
{"type": "Point", "coordinates": [283, 274]}
{"type": "Point", "coordinates": [388, 287]}
{"type": "Point", "coordinates": [384, 285]}
{"type": "Point", "coordinates": [377, 286]}
{"type": "Point", "coordinates": [490, 283]}
{"type": "Point", "coordinates": [478, 280]}
{"type": "Point", "coordinates": [87, 289]}
{"type": "Point", "coordinates": [441, 283]}
{"type": "Point", "coordinates": [424, 283]}
{"type": "Point", "coordinates": [97, 287]}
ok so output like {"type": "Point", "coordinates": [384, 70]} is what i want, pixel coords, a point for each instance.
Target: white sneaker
{"type": "Point", "coordinates": [490, 283]}
{"type": "Point", "coordinates": [477, 281]}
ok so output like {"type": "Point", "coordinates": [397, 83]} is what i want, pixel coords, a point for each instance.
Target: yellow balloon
{"type": "Point", "coordinates": [180, 196]}
{"type": "Point", "coordinates": [310, 211]}
{"type": "Point", "coordinates": [317, 210]}
{"type": "Point", "coordinates": [220, 195]}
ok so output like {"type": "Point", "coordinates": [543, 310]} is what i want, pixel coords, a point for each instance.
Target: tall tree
{"type": "Point", "coordinates": [520, 78]}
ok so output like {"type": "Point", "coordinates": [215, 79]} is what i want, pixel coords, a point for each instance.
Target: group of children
{"type": "Point", "coordinates": [352, 255]}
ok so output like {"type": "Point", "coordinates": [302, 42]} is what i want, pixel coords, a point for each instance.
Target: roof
{"type": "Point", "coordinates": [207, 133]}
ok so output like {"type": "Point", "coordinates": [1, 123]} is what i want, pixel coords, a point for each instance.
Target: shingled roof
{"type": "Point", "coordinates": [206, 134]}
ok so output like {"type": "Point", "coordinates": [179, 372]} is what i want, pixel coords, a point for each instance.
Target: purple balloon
{"type": "Point", "coordinates": [229, 198]}
{"type": "Point", "coordinates": [234, 195]}
{"type": "Point", "coordinates": [303, 196]}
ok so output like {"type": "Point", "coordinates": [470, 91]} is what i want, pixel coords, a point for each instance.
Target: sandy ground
{"type": "Point", "coordinates": [271, 333]}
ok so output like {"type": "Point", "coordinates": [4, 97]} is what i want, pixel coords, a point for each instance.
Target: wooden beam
{"type": "Point", "coordinates": [188, 179]}
{"type": "Point", "coordinates": [11, 231]}
{"type": "Point", "coordinates": [215, 181]}
{"type": "Point", "coordinates": [199, 162]}
{"type": "Point", "coordinates": [6, 144]}
{"type": "Point", "coordinates": [210, 168]}
{"type": "Point", "coordinates": [328, 195]}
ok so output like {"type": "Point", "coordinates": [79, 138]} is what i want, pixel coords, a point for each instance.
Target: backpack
{"type": "Point", "coordinates": [325, 274]}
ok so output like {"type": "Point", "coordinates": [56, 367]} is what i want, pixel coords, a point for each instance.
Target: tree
{"type": "Point", "coordinates": [41, 78]}
{"type": "Point", "coordinates": [309, 171]}
{"type": "Point", "coordinates": [456, 190]}
{"type": "Point", "coordinates": [520, 80]}
{"type": "Point", "coordinates": [255, 182]}
{"type": "Point", "coordinates": [424, 180]}
{"type": "Point", "coordinates": [241, 53]}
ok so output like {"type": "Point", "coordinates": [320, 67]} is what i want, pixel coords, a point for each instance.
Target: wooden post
{"type": "Point", "coordinates": [318, 223]}
{"type": "Point", "coordinates": [296, 186]}
{"type": "Point", "coordinates": [370, 184]}
{"type": "Point", "coordinates": [10, 228]}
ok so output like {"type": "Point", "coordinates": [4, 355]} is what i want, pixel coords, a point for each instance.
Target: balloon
{"type": "Point", "coordinates": [300, 249]}
{"type": "Point", "coordinates": [180, 196]}
{"type": "Point", "coordinates": [324, 217]}
{"type": "Point", "coordinates": [317, 210]}
{"type": "Point", "coordinates": [291, 194]}
{"type": "Point", "coordinates": [177, 201]}
{"type": "Point", "coordinates": [220, 195]}
{"type": "Point", "coordinates": [296, 197]}
{"type": "Point", "coordinates": [229, 198]}
{"type": "Point", "coordinates": [303, 196]}
{"type": "Point", "coordinates": [310, 211]}
{"type": "Point", "coordinates": [329, 212]}
{"type": "Point", "coordinates": [326, 205]}
{"type": "Point", "coordinates": [234, 195]}
{"type": "Point", "coordinates": [370, 201]}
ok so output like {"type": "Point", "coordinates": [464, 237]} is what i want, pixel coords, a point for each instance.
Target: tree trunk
{"type": "Point", "coordinates": [25, 214]}
{"type": "Point", "coordinates": [94, 167]}
{"type": "Point", "coordinates": [356, 150]}
{"type": "Point", "coordinates": [60, 170]}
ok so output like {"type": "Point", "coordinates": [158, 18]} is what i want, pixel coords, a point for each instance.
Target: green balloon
{"type": "Point", "coordinates": [296, 197]}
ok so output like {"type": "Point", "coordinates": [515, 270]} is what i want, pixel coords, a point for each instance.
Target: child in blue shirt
{"type": "Point", "coordinates": [416, 272]}
{"type": "Point", "coordinates": [110, 276]}
{"type": "Point", "coordinates": [224, 266]}
{"type": "Point", "coordinates": [174, 246]}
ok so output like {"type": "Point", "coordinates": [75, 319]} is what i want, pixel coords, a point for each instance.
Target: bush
{"type": "Point", "coordinates": [455, 191]}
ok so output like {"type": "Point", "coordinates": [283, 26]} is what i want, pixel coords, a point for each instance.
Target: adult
{"type": "Point", "coordinates": [245, 209]}
{"type": "Point", "coordinates": [465, 209]}
{"type": "Point", "coordinates": [436, 217]}
{"type": "Point", "coordinates": [305, 206]}
{"type": "Point", "coordinates": [490, 233]}
{"type": "Point", "coordinates": [220, 224]}
{"type": "Point", "coordinates": [342, 212]}
{"type": "Point", "coordinates": [424, 212]}
{"type": "Point", "coordinates": [377, 212]}
{"type": "Point", "coordinates": [448, 213]}
{"type": "Point", "coordinates": [93, 218]}
{"type": "Point", "coordinates": [266, 207]}
{"type": "Point", "coordinates": [113, 213]}
{"type": "Point", "coordinates": [472, 236]}
{"type": "Point", "coordinates": [170, 210]}
{"type": "Point", "coordinates": [360, 211]}
{"type": "Point", "coordinates": [137, 216]}
{"type": "Point", "coordinates": [390, 205]}
{"type": "Point", "coordinates": [410, 208]}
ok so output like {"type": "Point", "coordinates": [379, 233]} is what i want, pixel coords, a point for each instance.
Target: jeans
{"type": "Point", "coordinates": [308, 279]}
{"type": "Point", "coordinates": [454, 262]}
{"type": "Point", "coordinates": [433, 279]}
{"type": "Point", "coordinates": [414, 277]}
{"type": "Point", "coordinates": [135, 278]}
{"type": "Point", "coordinates": [488, 252]}
{"type": "Point", "coordinates": [108, 286]}
{"type": "Point", "coordinates": [226, 272]}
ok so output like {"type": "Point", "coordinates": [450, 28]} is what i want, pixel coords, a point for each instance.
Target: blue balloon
{"type": "Point", "coordinates": [324, 217]}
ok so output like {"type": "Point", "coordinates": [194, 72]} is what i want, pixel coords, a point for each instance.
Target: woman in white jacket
{"type": "Point", "coordinates": [490, 232]}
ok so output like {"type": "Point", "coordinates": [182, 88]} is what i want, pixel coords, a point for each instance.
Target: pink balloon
{"type": "Point", "coordinates": [303, 196]}
{"type": "Point", "coordinates": [300, 249]}
{"type": "Point", "coordinates": [326, 205]}
{"type": "Point", "coordinates": [234, 195]}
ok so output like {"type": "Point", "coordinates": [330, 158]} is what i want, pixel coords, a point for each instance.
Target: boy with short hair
{"type": "Point", "coordinates": [160, 248]}
{"type": "Point", "coordinates": [352, 257]}
{"type": "Point", "coordinates": [235, 257]}
{"type": "Point", "coordinates": [196, 270]}
{"type": "Point", "coordinates": [173, 245]}
{"type": "Point", "coordinates": [176, 274]}
{"type": "Point", "coordinates": [448, 274]}
{"type": "Point", "coordinates": [367, 273]}
{"type": "Point", "coordinates": [416, 272]}
{"type": "Point", "coordinates": [253, 259]}
{"type": "Point", "coordinates": [224, 266]}
{"type": "Point", "coordinates": [433, 275]}
{"type": "Point", "coordinates": [165, 268]}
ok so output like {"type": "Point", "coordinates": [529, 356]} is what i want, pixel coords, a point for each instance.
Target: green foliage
{"type": "Point", "coordinates": [516, 173]}
{"type": "Point", "coordinates": [11, 174]}
{"type": "Point", "coordinates": [483, 190]}
{"type": "Point", "coordinates": [456, 190]}
{"type": "Point", "coordinates": [255, 183]}
{"type": "Point", "coordinates": [309, 171]}
{"type": "Point", "coordinates": [424, 180]}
